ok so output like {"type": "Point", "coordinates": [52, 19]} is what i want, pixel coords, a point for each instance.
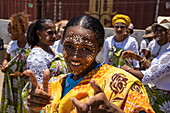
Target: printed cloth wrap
{"type": "Point", "coordinates": [11, 101]}
{"type": "Point", "coordinates": [58, 66]}
{"type": "Point", "coordinates": [159, 99]}
{"type": "Point", "coordinates": [115, 58]}
{"type": "Point", "coordinates": [120, 87]}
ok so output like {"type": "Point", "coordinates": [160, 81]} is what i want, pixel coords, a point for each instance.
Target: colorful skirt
{"type": "Point", "coordinates": [159, 99]}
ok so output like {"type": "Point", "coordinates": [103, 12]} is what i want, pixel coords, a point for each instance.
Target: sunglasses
{"type": "Point", "coordinates": [121, 27]}
{"type": "Point", "coordinates": [51, 33]}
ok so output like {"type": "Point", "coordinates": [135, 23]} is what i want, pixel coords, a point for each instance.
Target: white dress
{"type": "Point", "coordinates": [39, 60]}
{"type": "Point", "coordinates": [155, 49]}
{"type": "Point", "coordinates": [129, 43]}
{"type": "Point", "coordinates": [159, 72]}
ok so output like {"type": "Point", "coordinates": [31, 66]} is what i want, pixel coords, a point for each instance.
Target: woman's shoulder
{"type": "Point", "coordinates": [109, 38]}
{"type": "Point", "coordinates": [12, 43]}
{"type": "Point", "coordinates": [131, 39]}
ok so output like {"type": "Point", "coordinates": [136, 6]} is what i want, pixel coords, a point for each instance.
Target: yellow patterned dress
{"type": "Point", "coordinates": [120, 87]}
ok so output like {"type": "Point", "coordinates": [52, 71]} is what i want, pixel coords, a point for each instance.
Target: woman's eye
{"type": "Point", "coordinates": [68, 46]}
{"type": "Point", "coordinates": [85, 49]}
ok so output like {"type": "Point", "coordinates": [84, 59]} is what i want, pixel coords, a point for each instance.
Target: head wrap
{"type": "Point", "coordinates": [121, 18]}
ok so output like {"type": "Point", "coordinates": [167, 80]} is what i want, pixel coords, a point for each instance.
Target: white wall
{"type": "Point", "coordinates": [3, 30]}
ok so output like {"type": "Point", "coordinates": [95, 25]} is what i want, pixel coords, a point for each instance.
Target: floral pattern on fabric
{"type": "Point", "coordinates": [58, 66]}
{"type": "Point", "coordinates": [116, 60]}
{"type": "Point", "coordinates": [159, 99]}
{"type": "Point", "coordinates": [11, 101]}
{"type": "Point", "coordinates": [108, 77]}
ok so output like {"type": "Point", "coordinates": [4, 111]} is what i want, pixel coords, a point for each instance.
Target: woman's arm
{"type": "Point", "coordinates": [136, 73]}
{"type": "Point", "coordinates": [130, 54]}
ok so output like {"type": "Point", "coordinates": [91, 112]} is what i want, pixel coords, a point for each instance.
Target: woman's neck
{"type": "Point", "coordinates": [21, 42]}
{"type": "Point", "coordinates": [45, 48]}
{"type": "Point", "coordinates": [162, 42]}
{"type": "Point", "coordinates": [120, 38]}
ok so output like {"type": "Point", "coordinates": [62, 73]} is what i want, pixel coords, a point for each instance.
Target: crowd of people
{"type": "Point", "coordinates": [51, 67]}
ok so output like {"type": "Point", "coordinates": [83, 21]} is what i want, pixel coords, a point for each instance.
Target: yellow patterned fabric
{"type": "Point", "coordinates": [120, 87]}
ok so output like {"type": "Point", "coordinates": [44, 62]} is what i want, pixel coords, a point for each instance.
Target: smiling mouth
{"type": "Point", "coordinates": [75, 63]}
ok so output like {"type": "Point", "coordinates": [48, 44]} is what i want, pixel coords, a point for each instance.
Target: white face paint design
{"type": "Point", "coordinates": [81, 49]}
{"type": "Point", "coordinates": [89, 57]}
{"type": "Point", "coordinates": [77, 39]}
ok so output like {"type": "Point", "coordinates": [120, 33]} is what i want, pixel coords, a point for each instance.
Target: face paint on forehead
{"type": "Point", "coordinates": [87, 36]}
{"type": "Point", "coordinates": [77, 39]}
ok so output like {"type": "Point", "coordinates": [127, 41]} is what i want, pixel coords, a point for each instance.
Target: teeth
{"type": "Point", "coordinates": [75, 63]}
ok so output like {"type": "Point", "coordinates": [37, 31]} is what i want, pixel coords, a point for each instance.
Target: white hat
{"type": "Point", "coordinates": [163, 19]}
{"type": "Point", "coordinates": [164, 25]}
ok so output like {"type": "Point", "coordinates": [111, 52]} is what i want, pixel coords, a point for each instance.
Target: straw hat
{"type": "Point", "coordinates": [148, 32]}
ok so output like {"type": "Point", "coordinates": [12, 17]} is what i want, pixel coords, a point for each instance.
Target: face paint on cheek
{"type": "Point", "coordinates": [89, 58]}
{"type": "Point", "coordinates": [47, 38]}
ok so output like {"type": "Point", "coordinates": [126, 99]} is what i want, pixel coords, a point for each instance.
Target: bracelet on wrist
{"type": "Point", "coordinates": [143, 60]}
{"type": "Point", "coordinates": [128, 68]}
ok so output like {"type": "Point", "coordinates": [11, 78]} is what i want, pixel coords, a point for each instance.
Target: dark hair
{"type": "Point", "coordinates": [32, 36]}
{"type": "Point", "coordinates": [87, 22]}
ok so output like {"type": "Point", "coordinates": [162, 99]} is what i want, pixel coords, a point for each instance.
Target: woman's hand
{"type": "Point", "coordinates": [3, 66]}
{"type": "Point", "coordinates": [38, 96]}
{"type": "Point", "coordinates": [96, 104]}
{"type": "Point", "coordinates": [130, 54]}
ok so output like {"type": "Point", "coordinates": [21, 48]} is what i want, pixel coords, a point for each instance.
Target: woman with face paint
{"type": "Point", "coordinates": [91, 86]}
{"type": "Point", "coordinates": [114, 45]}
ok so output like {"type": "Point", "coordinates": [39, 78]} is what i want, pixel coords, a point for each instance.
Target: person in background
{"type": "Point", "coordinates": [14, 64]}
{"type": "Point", "coordinates": [40, 36]}
{"type": "Point", "coordinates": [115, 45]}
{"type": "Point", "coordinates": [58, 65]}
{"type": "Point", "coordinates": [147, 38]}
{"type": "Point", "coordinates": [130, 29]}
{"type": "Point", "coordinates": [160, 44]}
{"type": "Point", "coordinates": [155, 77]}
{"type": "Point", "coordinates": [57, 47]}
{"type": "Point", "coordinates": [91, 86]}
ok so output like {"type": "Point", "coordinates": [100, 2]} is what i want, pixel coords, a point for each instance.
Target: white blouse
{"type": "Point", "coordinates": [129, 43]}
{"type": "Point", "coordinates": [39, 60]}
{"type": "Point", "coordinates": [155, 49]}
{"type": "Point", "coordinates": [159, 72]}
